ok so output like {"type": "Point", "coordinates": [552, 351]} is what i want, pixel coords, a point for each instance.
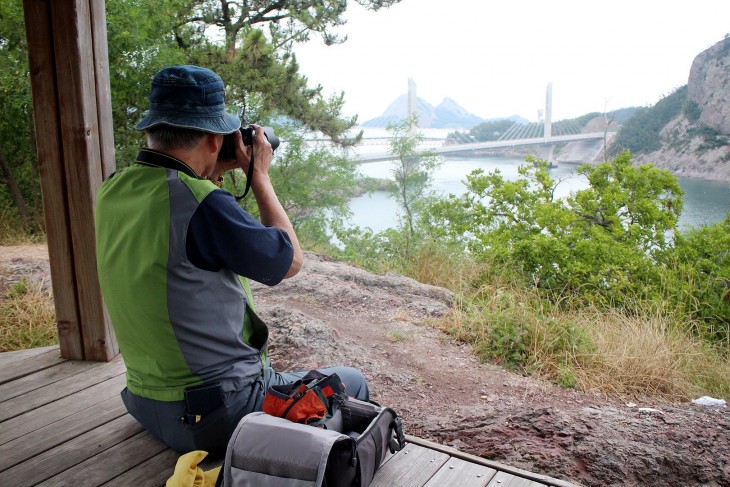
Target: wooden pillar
{"type": "Point", "coordinates": [72, 110]}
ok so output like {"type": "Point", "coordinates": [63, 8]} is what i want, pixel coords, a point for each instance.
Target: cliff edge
{"type": "Point", "coordinates": [696, 143]}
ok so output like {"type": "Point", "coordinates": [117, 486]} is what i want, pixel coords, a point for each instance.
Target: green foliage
{"type": "Point", "coordinates": [697, 277]}
{"type": "Point", "coordinates": [518, 330]}
{"type": "Point", "coordinates": [641, 133]}
{"type": "Point", "coordinates": [140, 42]}
{"type": "Point", "coordinates": [691, 110]}
{"type": "Point", "coordinates": [621, 115]}
{"type": "Point", "coordinates": [17, 289]}
{"type": "Point", "coordinates": [711, 138]}
{"type": "Point", "coordinates": [413, 171]}
{"type": "Point", "coordinates": [395, 248]}
{"type": "Point", "coordinates": [566, 377]}
{"type": "Point", "coordinates": [492, 130]}
{"type": "Point", "coordinates": [595, 246]}
{"type": "Point", "coordinates": [17, 137]}
{"type": "Point", "coordinates": [262, 75]}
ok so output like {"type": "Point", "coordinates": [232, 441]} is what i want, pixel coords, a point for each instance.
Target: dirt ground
{"type": "Point", "coordinates": [333, 313]}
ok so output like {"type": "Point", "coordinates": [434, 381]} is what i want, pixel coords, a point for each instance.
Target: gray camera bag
{"type": "Point", "coordinates": [268, 451]}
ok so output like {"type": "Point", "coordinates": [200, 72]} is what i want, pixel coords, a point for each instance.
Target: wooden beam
{"type": "Point", "coordinates": [71, 101]}
{"type": "Point", "coordinates": [42, 62]}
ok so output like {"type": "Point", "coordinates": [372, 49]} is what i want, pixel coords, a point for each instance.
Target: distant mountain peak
{"type": "Point", "coordinates": [448, 114]}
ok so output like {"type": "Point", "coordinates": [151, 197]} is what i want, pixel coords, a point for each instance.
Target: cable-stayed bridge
{"type": "Point", "coordinates": [544, 134]}
{"type": "Point", "coordinates": [547, 142]}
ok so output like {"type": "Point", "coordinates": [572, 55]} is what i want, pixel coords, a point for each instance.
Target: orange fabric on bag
{"type": "Point", "coordinates": [275, 405]}
{"type": "Point", "coordinates": [307, 408]}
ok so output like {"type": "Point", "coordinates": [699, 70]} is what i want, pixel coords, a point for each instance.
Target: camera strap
{"type": "Point", "coordinates": [249, 176]}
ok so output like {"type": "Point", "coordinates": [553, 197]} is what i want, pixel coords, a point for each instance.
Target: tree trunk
{"type": "Point", "coordinates": [14, 189]}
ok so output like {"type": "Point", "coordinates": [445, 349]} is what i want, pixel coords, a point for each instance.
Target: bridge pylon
{"type": "Point", "coordinates": [548, 150]}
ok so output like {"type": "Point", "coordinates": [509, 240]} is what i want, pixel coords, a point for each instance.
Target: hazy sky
{"type": "Point", "coordinates": [495, 58]}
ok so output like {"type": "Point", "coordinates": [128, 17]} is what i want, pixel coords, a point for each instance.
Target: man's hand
{"type": "Point", "coordinates": [262, 151]}
{"type": "Point", "coordinates": [263, 154]}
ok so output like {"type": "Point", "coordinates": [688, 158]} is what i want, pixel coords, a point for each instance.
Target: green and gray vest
{"type": "Point", "coordinates": [177, 325]}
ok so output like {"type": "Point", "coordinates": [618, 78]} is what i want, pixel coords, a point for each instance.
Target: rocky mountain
{"type": "Point", "coordinates": [448, 114]}
{"type": "Point", "coordinates": [709, 86]}
{"type": "Point", "coordinates": [696, 142]}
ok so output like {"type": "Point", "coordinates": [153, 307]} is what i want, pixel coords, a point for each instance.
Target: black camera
{"type": "Point", "coordinates": [228, 150]}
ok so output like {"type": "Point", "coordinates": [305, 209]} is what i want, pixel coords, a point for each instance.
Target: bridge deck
{"type": "Point", "coordinates": [495, 144]}
{"type": "Point", "coordinates": [63, 423]}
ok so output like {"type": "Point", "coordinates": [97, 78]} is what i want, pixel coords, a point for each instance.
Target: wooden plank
{"type": "Point", "coordinates": [151, 473]}
{"type": "Point", "coordinates": [53, 392]}
{"type": "Point", "coordinates": [108, 464]}
{"type": "Point", "coordinates": [74, 47]}
{"type": "Point", "coordinates": [504, 479]}
{"type": "Point", "coordinates": [10, 358]}
{"type": "Point", "coordinates": [42, 64]}
{"type": "Point", "coordinates": [66, 457]}
{"type": "Point", "coordinates": [44, 377]}
{"type": "Point", "coordinates": [413, 466]}
{"type": "Point", "coordinates": [456, 472]}
{"type": "Point", "coordinates": [54, 434]}
{"type": "Point", "coordinates": [45, 415]}
{"type": "Point", "coordinates": [34, 362]}
{"type": "Point", "coordinates": [544, 479]}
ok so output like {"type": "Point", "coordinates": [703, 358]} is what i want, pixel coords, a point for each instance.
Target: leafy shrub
{"type": "Point", "coordinates": [691, 110]}
{"type": "Point", "coordinates": [596, 246]}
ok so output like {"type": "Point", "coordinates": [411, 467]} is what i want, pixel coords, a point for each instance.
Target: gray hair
{"type": "Point", "coordinates": [167, 137]}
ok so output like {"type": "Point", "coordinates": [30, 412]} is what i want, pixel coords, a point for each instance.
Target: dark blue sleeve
{"type": "Point", "coordinates": [223, 235]}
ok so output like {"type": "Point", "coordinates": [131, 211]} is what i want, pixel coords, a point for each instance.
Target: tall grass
{"type": "Point", "coordinates": [642, 349]}
{"type": "Point", "coordinates": [27, 318]}
{"type": "Point", "coordinates": [650, 353]}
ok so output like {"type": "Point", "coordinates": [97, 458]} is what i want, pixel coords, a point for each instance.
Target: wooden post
{"type": "Point", "coordinates": [72, 109]}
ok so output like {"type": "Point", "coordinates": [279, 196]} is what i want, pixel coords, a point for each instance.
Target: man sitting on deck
{"type": "Point", "coordinates": [171, 246]}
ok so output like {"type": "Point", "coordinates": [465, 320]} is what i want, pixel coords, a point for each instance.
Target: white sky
{"type": "Point", "coordinates": [495, 58]}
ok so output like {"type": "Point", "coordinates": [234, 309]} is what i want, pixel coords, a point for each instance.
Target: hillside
{"type": "Point", "coordinates": [695, 141]}
{"type": "Point", "coordinates": [335, 313]}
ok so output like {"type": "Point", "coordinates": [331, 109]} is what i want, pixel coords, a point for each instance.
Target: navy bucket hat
{"type": "Point", "coordinates": [189, 97]}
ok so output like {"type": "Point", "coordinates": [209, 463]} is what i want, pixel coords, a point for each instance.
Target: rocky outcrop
{"type": "Point", "coordinates": [696, 143]}
{"type": "Point", "coordinates": [690, 157]}
{"type": "Point", "coordinates": [709, 86]}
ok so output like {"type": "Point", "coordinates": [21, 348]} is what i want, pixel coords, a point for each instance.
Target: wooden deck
{"type": "Point", "coordinates": [62, 423]}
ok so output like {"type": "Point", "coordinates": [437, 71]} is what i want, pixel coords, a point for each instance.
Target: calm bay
{"type": "Point", "coordinates": [705, 202]}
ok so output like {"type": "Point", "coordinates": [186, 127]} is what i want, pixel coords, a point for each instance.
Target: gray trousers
{"type": "Point", "coordinates": [163, 419]}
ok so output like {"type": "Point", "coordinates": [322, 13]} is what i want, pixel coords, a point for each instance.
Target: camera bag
{"type": "Point", "coordinates": [270, 451]}
{"type": "Point", "coordinates": [313, 400]}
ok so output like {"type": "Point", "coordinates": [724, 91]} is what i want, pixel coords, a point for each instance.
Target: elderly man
{"type": "Point", "coordinates": [174, 254]}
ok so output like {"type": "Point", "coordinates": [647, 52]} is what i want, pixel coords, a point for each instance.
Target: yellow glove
{"type": "Point", "coordinates": [188, 474]}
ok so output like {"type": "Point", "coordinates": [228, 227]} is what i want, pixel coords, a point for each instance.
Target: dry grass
{"type": "Point", "coordinates": [646, 353]}
{"type": "Point", "coordinates": [27, 318]}
{"type": "Point", "coordinates": [649, 354]}
{"type": "Point", "coordinates": [433, 265]}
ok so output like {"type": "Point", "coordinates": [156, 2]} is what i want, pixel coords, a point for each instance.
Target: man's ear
{"type": "Point", "coordinates": [214, 142]}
